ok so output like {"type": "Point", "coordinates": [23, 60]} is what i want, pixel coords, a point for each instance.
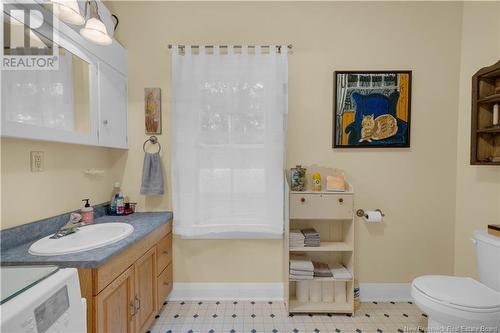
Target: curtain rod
{"type": "Point", "coordinates": [278, 47]}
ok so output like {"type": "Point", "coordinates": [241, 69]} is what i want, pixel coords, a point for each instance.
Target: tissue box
{"type": "Point", "coordinates": [335, 183]}
{"type": "Point", "coordinates": [494, 229]}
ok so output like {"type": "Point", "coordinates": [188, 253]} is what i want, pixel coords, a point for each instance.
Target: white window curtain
{"type": "Point", "coordinates": [228, 127]}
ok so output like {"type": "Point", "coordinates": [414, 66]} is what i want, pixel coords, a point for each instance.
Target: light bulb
{"type": "Point", "coordinates": [68, 11]}
{"type": "Point", "coordinates": [95, 32]}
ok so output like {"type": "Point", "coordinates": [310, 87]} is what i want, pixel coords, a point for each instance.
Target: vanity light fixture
{"type": "Point", "coordinates": [95, 31]}
{"type": "Point", "coordinates": [68, 11]}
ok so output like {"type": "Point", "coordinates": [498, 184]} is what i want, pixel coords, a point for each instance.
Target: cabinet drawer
{"type": "Point", "coordinates": [320, 206]}
{"type": "Point", "coordinates": [164, 252]}
{"type": "Point", "coordinates": [164, 285]}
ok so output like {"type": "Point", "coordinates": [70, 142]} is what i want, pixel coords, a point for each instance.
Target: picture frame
{"type": "Point", "coordinates": [152, 110]}
{"type": "Point", "coordinates": [372, 109]}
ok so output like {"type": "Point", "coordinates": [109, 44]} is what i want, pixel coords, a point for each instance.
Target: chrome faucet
{"type": "Point", "coordinates": [70, 227]}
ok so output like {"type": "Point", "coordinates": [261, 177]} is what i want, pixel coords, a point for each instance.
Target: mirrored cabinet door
{"type": "Point", "coordinates": [56, 103]}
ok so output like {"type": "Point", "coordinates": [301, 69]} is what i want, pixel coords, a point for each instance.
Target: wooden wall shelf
{"type": "Point", "coordinates": [485, 139]}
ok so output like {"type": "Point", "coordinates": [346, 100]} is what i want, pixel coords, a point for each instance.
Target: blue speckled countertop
{"type": "Point", "coordinates": [144, 224]}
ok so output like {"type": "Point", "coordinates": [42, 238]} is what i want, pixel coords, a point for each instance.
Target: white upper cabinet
{"type": "Point", "coordinates": [82, 100]}
{"type": "Point", "coordinates": [112, 107]}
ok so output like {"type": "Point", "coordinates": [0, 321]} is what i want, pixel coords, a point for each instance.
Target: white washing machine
{"type": "Point", "coordinates": [39, 299]}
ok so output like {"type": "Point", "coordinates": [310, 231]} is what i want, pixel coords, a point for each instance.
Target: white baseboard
{"type": "Point", "coordinates": [385, 292]}
{"type": "Point", "coordinates": [370, 292]}
{"type": "Point", "coordinates": [227, 291]}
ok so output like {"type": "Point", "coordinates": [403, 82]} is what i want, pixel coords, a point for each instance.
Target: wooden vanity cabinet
{"type": "Point", "coordinates": [126, 293]}
{"type": "Point", "coordinates": [145, 290]}
{"type": "Point", "coordinates": [114, 306]}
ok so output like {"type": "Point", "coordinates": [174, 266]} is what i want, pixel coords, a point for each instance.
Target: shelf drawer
{"type": "Point", "coordinates": [321, 206]}
{"type": "Point", "coordinates": [164, 285]}
{"type": "Point", "coordinates": [164, 252]}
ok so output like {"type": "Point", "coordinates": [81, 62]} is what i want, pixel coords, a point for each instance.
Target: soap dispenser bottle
{"type": "Point", "coordinates": [87, 213]}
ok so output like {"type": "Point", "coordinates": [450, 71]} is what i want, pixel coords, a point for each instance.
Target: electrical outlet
{"type": "Point", "coordinates": [36, 161]}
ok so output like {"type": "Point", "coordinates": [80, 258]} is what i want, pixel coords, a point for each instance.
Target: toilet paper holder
{"type": "Point", "coordinates": [361, 213]}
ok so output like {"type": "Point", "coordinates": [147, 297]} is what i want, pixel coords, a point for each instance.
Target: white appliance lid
{"type": "Point", "coordinates": [461, 291]}
{"type": "Point", "coordinates": [483, 236]}
{"type": "Point", "coordinates": [16, 279]}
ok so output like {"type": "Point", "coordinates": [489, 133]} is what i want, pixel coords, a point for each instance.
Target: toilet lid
{"type": "Point", "coordinates": [460, 291]}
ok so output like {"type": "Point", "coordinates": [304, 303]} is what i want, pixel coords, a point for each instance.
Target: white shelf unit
{"type": "Point", "coordinates": [332, 215]}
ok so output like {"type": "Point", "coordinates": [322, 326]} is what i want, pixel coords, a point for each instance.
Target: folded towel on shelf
{"type": "Point", "coordinates": [340, 272]}
{"type": "Point", "coordinates": [301, 277]}
{"type": "Point", "coordinates": [310, 233]}
{"type": "Point", "coordinates": [296, 238]}
{"type": "Point", "coordinates": [301, 263]}
{"type": "Point", "coordinates": [297, 272]}
{"type": "Point", "coordinates": [311, 237]}
{"type": "Point", "coordinates": [321, 270]}
{"type": "Point", "coordinates": [296, 234]}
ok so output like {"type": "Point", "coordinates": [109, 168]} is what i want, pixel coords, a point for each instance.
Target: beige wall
{"type": "Point", "coordinates": [420, 189]}
{"type": "Point", "coordinates": [415, 187]}
{"type": "Point", "coordinates": [478, 187]}
{"type": "Point", "coordinates": [28, 196]}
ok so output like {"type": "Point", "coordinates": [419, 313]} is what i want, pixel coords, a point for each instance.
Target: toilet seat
{"type": "Point", "coordinates": [461, 293]}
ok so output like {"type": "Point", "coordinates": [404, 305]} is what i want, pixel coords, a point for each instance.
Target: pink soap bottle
{"type": "Point", "coordinates": [87, 213]}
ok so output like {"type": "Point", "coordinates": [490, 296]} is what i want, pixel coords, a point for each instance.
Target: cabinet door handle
{"type": "Point", "coordinates": [341, 200]}
{"type": "Point", "coordinates": [133, 310]}
{"type": "Point", "coordinates": [165, 252]}
{"type": "Point", "coordinates": [165, 283]}
{"type": "Point", "coordinates": [302, 199]}
{"type": "Point", "coordinates": [137, 301]}
{"type": "Point", "coordinates": [105, 122]}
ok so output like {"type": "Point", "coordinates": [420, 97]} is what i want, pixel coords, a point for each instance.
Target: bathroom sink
{"type": "Point", "coordinates": [86, 238]}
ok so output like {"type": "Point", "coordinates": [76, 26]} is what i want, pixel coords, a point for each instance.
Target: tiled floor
{"type": "Point", "coordinates": [271, 317]}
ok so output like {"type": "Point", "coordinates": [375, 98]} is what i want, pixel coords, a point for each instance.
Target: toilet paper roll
{"type": "Point", "coordinates": [373, 216]}
{"type": "Point", "coordinates": [315, 291]}
{"type": "Point", "coordinates": [340, 292]}
{"type": "Point", "coordinates": [302, 291]}
{"type": "Point", "coordinates": [328, 294]}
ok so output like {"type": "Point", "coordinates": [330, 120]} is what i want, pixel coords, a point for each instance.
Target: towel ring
{"type": "Point", "coordinates": [153, 140]}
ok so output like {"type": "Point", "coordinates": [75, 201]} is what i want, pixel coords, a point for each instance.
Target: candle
{"type": "Point", "coordinates": [495, 115]}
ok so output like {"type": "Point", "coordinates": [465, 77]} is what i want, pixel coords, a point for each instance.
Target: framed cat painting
{"type": "Point", "coordinates": [372, 109]}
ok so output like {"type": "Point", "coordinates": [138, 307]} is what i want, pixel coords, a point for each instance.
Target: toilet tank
{"type": "Point", "coordinates": [488, 258]}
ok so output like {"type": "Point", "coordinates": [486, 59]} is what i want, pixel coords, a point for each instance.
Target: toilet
{"type": "Point", "coordinates": [462, 304]}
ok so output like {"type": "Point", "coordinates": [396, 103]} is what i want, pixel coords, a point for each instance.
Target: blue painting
{"type": "Point", "coordinates": [372, 109]}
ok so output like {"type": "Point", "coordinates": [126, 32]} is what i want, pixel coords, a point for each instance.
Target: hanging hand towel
{"type": "Point", "coordinates": [152, 175]}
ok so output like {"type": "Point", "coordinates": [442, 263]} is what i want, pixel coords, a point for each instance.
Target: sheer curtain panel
{"type": "Point", "coordinates": [229, 109]}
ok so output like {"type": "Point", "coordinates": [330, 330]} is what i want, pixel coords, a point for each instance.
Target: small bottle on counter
{"type": "Point", "coordinates": [120, 204]}
{"type": "Point", "coordinates": [87, 212]}
{"type": "Point", "coordinates": [114, 198]}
